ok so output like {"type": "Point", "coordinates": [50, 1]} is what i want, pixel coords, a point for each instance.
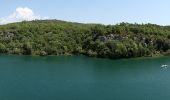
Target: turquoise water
{"type": "Point", "coordinates": [83, 78]}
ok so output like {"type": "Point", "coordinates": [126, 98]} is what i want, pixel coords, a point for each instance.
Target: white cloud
{"type": "Point", "coordinates": [21, 14]}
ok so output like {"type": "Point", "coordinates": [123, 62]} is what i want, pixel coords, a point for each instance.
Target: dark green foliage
{"type": "Point", "coordinates": [2, 48]}
{"type": "Point", "coordinates": [53, 37]}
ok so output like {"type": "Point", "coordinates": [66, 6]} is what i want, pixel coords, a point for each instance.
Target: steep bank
{"type": "Point", "coordinates": [54, 37]}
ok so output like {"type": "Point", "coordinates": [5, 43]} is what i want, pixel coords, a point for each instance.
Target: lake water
{"type": "Point", "coordinates": [83, 78]}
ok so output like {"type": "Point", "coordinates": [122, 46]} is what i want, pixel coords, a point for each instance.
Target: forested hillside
{"type": "Point", "coordinates": [53, 37]}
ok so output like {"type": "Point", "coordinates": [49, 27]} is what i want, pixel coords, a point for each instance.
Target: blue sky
{"type": "Point", "coordinates": [94, 11]}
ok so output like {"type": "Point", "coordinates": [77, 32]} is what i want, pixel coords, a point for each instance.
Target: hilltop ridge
{"type": "Point", "coordinates": [56, 37]}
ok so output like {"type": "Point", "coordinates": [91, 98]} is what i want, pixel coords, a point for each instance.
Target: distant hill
{"type": "Point", "coordinates": [55, 37]}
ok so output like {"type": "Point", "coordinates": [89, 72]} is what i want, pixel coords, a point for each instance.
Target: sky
{"type": "Point", "coordinates": [87, 11]}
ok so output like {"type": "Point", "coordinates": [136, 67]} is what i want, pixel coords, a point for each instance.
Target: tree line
{"type": "Point", "coordinates": [55, 37]}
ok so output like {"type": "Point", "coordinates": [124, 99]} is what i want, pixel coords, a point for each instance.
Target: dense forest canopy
{"type": "Point", "coordinates": [54, 37]}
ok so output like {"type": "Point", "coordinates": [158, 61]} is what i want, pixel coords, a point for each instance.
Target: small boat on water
{"type": "Point", "coordinates": [164, 66]}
